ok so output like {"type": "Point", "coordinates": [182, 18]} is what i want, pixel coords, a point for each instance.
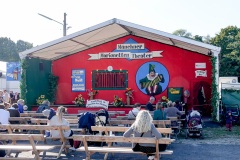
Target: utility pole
{"type": "Point", "coordinates": [64, 22]}
{"type": "Point", "coordinates": [64, 25]}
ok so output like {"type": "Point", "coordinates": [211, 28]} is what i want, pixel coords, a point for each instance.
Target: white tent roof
{"type": "Point", "coordinates": [108, 31]}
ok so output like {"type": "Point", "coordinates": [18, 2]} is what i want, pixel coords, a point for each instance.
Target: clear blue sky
{"type": "Point", "coordinates": [20, 19]}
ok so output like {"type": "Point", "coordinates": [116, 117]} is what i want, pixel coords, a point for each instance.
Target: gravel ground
{"type": "Point", "coordinates": [210, 148]}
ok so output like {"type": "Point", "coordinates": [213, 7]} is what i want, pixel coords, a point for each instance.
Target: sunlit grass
{"type": "Point", "coordinates": [220, 132]}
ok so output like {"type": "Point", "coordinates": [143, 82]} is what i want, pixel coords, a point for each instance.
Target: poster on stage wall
{"type": "Point", "coordinates": [78, 80]}
{"type": "Point", "coordinates": [13, 71]}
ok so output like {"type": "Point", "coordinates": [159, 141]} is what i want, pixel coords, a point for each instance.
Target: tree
{"type": "Point", "coordinates": [198, 38]}
{"type": "Point", "coordinates": [229, 41]}
{"type": "Point", "coordinates": [182, 33]}
{"type": "Point", "coordinates": [207, 39]}
{"type": "Point", "coordinates": [9, 49]}
{"type": "Point", "coordinates": [22, 46]}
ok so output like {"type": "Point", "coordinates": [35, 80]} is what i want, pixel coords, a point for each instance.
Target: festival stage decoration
{"type": "Point", "coordinates": [129, 94]}
{"type": "Point", "coordinates": [118, 101]}
{"type": "Point", "coordinates": [79, 100]}
{"type": "Point", "coordinates": [41, 99]}
{"type": "Point", "coordinates": [92, 93]}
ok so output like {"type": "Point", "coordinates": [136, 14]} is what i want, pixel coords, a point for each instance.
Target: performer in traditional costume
{"type": "Point", "coordinates": [152, 82]}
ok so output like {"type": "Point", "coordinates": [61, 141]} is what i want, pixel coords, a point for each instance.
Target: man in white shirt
{"type": "Point", "coordinates": [5, 115]}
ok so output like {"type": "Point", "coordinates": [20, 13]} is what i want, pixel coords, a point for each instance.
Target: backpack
{"type": "Point", "coordinates": [42, 107]}
{"type": "Point", "coordinates": [86, 120]}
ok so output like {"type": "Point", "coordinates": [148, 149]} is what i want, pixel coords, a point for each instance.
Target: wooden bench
{"type": "Point", "coordinates": [62, 139]}
{"type": "Point", "coordinates": [112, 114]}
{"type": "Point", "coordinates": [32, 146]}
{"type": "Point", "coordinates": [112, 149]}
{"type": "Point", "coordinates": [32, 115]}
{"type": "Point", "coordinates": [23, 120]}
{"type": "Point", "coordinates": [159, 123]}
{"type": "Point", "coordinates": [109, 129]}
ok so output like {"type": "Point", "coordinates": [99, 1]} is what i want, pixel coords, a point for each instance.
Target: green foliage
{"type": "Point", "coordinates": [41, 99]}
{"type": "Point", "coordinates": [9, 49]}
{"type": "Point", "coordinates": [186, 34]}
{"type": "Point", "coordinates": [79, 100]}
{"type": "Point", "coordinates": [22, 46]}
{"type": "Point", "coordinates": [229, 41]}
{"type": "Point", "coordinates": [53, 82]}
{"type": "Point", "coordinates": [215, 94]}
{"type": "Point", "coordinates": [198, 38]}
{"type": "Point", "coordinates": [182, 33]}
{"type": "Point", "coordinates": [23, 84]}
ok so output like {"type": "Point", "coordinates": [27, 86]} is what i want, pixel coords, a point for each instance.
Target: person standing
{"type": "Point", "coordinates": [11, 94]}
{"type": "Point", "coordinates": [134, 112]}
{"type": "Point", "coordinates": [143, 127]}
{"type": "Point", "coordinates": [229, 120]}
{"type": "Point", "coordinates": [1, 97]}
{"type": "Point", "coordinates": [149, 105]}
{"type": "Point", "coordinates": [16, 97]}
{"type": "Point", "coordinates": [6, 96]}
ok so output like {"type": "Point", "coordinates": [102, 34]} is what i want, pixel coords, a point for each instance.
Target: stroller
{"type": "Point", "coordinates": [194, 124]}
{"type": "Point", "coordinates": [87, 119]}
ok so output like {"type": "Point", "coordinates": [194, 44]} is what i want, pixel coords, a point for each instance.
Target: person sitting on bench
{"type": "Point", "coordinates": [143, 127]}
{"type": "Point", "coordinates": [58, 120]}
{"type": "Point", "coordinates": [133, 113]}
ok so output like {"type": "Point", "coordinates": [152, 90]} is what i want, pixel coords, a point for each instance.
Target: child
{"type": "Point", "coordinates": [229, 121]}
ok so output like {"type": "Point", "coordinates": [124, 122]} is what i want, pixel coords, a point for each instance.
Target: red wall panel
{"type": "Point", "coordinates": [180, 64]}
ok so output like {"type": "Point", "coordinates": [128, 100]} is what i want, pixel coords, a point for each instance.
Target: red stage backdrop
{"type": "Point", "coordinates": [171, 66]}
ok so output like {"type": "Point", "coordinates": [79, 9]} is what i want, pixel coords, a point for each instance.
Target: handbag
{"type": "Point", "coordinates": [137, 146]}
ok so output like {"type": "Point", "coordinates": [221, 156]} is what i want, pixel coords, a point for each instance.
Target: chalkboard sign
{"type": "Point", "coordinates": [175, 93]}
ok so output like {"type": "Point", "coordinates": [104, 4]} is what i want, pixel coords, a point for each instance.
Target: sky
{"type": "Point", "coordinates": [20, 19]}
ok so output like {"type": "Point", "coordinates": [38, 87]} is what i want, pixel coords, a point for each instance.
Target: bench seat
{"type": "Point", "coordinates": [26, 147]}
{"type": "Point", "coordinates": [116, 150]}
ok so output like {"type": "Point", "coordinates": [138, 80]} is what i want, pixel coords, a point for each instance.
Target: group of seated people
{"type": "Point", "coordinates": [142, 127]}
{"type": "Point", "coordinates": [13, 110]}
{"type": "Point", "coordinates": [162, 111]}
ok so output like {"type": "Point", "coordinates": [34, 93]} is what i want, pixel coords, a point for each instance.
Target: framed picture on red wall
{"type": "Point", "coordinates": [78, 80]}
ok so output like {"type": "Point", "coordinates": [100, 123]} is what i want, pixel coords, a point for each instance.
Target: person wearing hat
{"type": "Point", "coordinates": [152, 81]}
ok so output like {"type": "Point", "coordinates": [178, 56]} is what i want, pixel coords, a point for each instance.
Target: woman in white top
{"type": "Point", "coordinates": [58, 120]}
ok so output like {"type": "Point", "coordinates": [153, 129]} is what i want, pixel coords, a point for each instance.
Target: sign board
{"type": "Point", "coordinates": [200, 73]}
{"type": "Point", "coordinates": [78, 80]}
{"type": "Point", "coordinates": [97, 103]}
{"type": "Point", "coordinates": [13, 71]}
{"type": "Point", "coordinates": [175, 93]}
{"type": "Point", "coordinates": [200, 65]}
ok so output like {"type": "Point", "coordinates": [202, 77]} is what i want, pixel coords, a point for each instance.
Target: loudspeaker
{"type": "Point", "coordinates": [40, 66]}
{"type": "Point", "coordinates": [238, 79]}
{"type": "Point", "coordinates": [210, 53]}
